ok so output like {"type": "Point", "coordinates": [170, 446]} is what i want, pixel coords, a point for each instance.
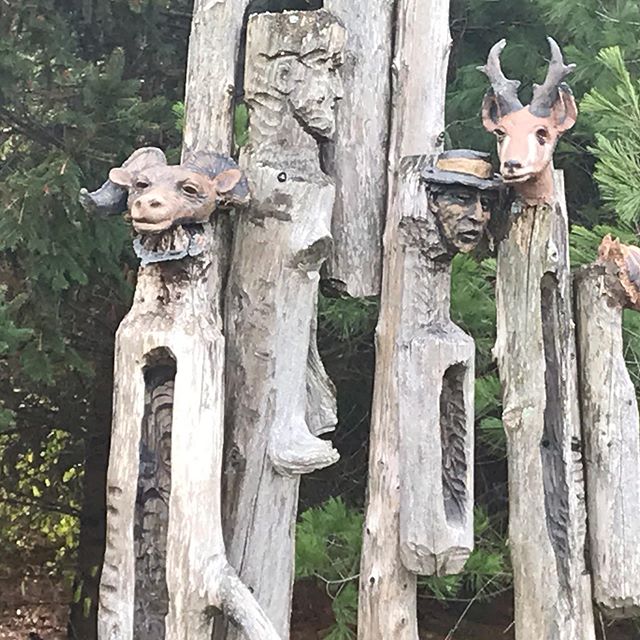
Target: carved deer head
{"type": "Point", "coordinates": [527, 136]}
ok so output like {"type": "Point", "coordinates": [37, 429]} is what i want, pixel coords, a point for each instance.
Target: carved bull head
{"type": "Point", "coordinates": [160, 196]}
{"type": "Point", "coordinates": [527, 136]}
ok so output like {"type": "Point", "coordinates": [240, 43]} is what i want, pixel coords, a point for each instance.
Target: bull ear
{"type": "Point", "coordinates": [121, 177]}
{"type": "Point", "coordinates": [490, 111]}
{"type": "Point", "coordinates": [227, 180]}
{"type": "Point", "coordinates": [564, 112]}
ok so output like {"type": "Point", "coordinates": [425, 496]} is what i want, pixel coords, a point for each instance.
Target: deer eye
{"type": "Point", "coordinates": [141, 184]}
{"type": "Point", "coordinates": [500, 134]}
{"type": "Point", "coordinates": [542, 135]}
{"type": "Point", "coordinates": [190, 190]}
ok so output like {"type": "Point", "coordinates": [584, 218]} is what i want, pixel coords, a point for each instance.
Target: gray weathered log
{"type": "Point", "coordinates": [387, 600]}
{"type": "Point", "coordinates": [612, 442]}
{"type": "Point", "coordinates": [358, 157]}
{"type": "Point", "coordinates": [291, 85]}
{"type": "Point", "coordinates": [169, 329]}
{"type": "Point", "coordinates": [436, 364]}
{"type": "Point", "coordinates": [535, 350]}
{"type": "Point", "coordinates": [175, 323]}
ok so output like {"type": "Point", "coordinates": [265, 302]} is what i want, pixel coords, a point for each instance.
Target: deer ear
{"type": "Point", "coordinates": [227, 180]}
{"type": "Point", "coordinates": [490, 111]}
{"type": "Point", "coordinates": [121, 177]}
{"type": "Point", "coordinates": [564, 112]}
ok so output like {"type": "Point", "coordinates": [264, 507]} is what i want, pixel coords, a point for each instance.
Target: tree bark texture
{"type": "Point", "coordinates": [535, 350]}
{"type": "Point", "coordinates": [357, 158]}
{"type": "Point", "coordinates": [436, 365]}
{"type": "Point", "coordinates": [387, 599]}
{"type": "Point", "coordinates": [612, 442]}
{"type": "Point", "coordinates": [278, 396]}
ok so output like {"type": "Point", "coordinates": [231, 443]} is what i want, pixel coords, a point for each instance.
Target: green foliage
{"type": "Point", "coordinates": [616, 115]}
{"type": "Point", "coordinates": [328, 541]}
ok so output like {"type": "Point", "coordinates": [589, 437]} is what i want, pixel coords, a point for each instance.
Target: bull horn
{"type": "Point", "coordinates": [111, 199]}
{"type": "Point", "coordinates": [546, 94]}
{"type": "Point", "coordinates": [505, 90]}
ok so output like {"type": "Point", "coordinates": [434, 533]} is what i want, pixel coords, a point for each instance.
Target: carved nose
{"type": "Point", "coordinates": [154, 203]}
{"type": "Point", "coordinates": [512, 165]}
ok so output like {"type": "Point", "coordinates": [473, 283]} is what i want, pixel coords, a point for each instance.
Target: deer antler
{"type": "Point", "coordinates": [505, 90]}
{"type": "Point", "coordinates": [546, 94]}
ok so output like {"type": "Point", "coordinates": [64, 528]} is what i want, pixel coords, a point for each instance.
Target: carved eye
{"type": "Point", "coordinates": [500, 134]}
{"type": "Point", "coordinates": [542, 135]}
{"type": "Point", "coordinates": [141, 184]}
{"type": "Point", "coordinates": [190, 190]}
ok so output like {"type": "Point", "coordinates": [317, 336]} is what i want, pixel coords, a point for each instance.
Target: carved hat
{"type": "Point", "coordinates": [465, 167]}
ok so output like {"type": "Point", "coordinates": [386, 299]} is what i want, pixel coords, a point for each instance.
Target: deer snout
{"type": "Point", "coordinates": [511, 166]}
{"type": "Point", "coordinates": [149, 207]}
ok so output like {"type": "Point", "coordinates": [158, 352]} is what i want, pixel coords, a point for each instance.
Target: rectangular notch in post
{"type": "Point", "coordinates": [152, 498]}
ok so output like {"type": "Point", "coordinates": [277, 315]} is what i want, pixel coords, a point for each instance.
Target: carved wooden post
{"type": "Point", "coordinates": [291, 86]}
{"type": "Point", "coordinates": [387, 602]}
{"type": "Point", "coordinates": [445, 211]}
{"type": "Point", "coordinates": [535, 350]}
{"type": "Point", "coordinates": [358, 157]}
{"type": "Point", "coordinates": [611, 427]}
{"type": "Point", "coordinates": [165, 563]}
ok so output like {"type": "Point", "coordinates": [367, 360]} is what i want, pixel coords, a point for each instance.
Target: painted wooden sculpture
{"type": "Point", "coordinates": [165, 566]}
{"type": "Point", "coordinates": [535, 350]}
{"type": "Point", "coordinates": [291, 88]}
{"type": "Point", "coordinates": [447, 214]}
{"type": "Point", "coordinates": [611, 426]}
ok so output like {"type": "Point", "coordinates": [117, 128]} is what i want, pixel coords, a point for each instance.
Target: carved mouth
{"type": "Point", "coordinates": [515, 178]}
{"type": "Point", "coordinates": [150, 227]}
{"type": "Point", "coordinates": [469, 236]}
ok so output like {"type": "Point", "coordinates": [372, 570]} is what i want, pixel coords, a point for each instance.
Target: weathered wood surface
{"type": "Point", "coordinates": [535, 350]}
{"type": "Point", "coordinates": [169, 328]}
{"type": "Point", "coordinates": [436, 364]}
{"type": "Point", "coordinates": [357, 159]}
{"type": "Point", "coordinates": [291, 85]}
{"type": "Point", "coordinates": [387, 599]}
{"type": "Point", "coordinates": [612, 442]}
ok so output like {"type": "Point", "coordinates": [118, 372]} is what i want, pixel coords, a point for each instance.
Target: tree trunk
{"type": "Point", "coordinates": [274, 407]}
{"type": "Point", "coordinates": [612, 442]}
{"type": "Point", "coordinates": [357, 158]}
{"type": "Point", "coordinates": [535, 350]}
{"type": "Point", "coordinates": [387, 601]}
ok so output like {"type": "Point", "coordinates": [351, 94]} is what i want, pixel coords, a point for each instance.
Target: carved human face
{"type": "Point", "coordinates": [462, 214]}
{"type": "Point", "coordinates": [315, 86]}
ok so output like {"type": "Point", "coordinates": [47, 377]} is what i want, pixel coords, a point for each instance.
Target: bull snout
{"type": "Point", "coordinates": [152, 212]}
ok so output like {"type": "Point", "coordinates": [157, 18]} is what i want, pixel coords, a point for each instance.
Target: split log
{"type": "Point", "coordinates": [535, 350]}
{"type": "Point", "coordinates": [291, 85]}
{"type": "Point", "coordinates": [387, 600]}
{"type": "Point", "coordinates": [357, 158]}
{"type": "Point", "coordinates": [612, 441]}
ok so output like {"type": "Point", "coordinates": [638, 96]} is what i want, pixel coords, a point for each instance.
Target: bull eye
{"type": "Point", "coordinates": [190, 190]}
{"type": "Point", "coordinates": [141, 184]}
{"type": "Point", "coordinates": [542, 135]}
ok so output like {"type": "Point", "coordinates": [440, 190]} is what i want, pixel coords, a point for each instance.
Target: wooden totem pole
{"type": "Point", "coordinates": [611, 426]}
{"type": "Point", "coordinates": [387, 605]}
{"type": "Point", "coordinates": [276, 405]}
{"type": "Point", "coordinates": [535, 350]}
{"type": "Point", "coordinates": [445, 212]}
{"type": "Point", "coordinates": [165, 563]}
